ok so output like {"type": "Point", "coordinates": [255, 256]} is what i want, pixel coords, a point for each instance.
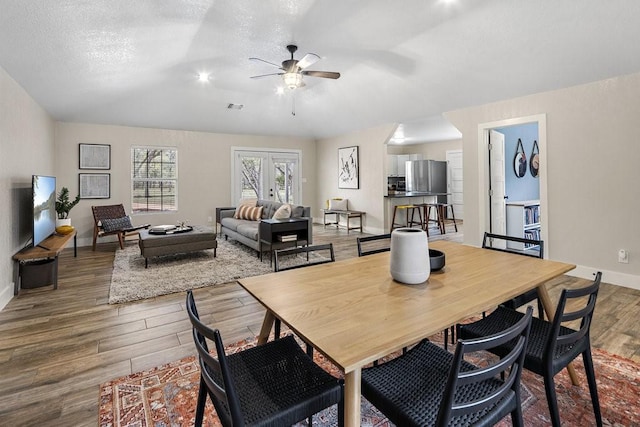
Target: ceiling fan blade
{"type": "Point", "coordinates": [308, 59]}
{"type": "Point", "coordinates": [266, 75]}
{"type": "Point", "coordinates": [266, 62]}
{"type": "Point", "coordinates": [325, 74]}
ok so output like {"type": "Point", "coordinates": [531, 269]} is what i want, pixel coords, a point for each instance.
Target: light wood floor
{"type": "Point", "coordinates": [56, 347]}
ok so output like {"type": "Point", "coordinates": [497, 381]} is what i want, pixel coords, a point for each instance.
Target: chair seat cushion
{"type": "Point", "coordinates": [115, 224]}
{"type": "Point", "coordinates": [412, 397]}
{"type": "Point", "coordinates": [503, 317]}
{"type": "Point", "coordinates": [278, 377]}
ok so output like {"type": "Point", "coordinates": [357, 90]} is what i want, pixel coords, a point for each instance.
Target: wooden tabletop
{"type": "Point", "coordinates": [49, 248]}
{"type": "Point", "coordinates": [353, 312]}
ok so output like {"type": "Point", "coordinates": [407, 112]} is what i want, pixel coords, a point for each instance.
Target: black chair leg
{"type": "Point", "coordinates": [552, 400]}
{"type": "Point", "coordinates": [310, 351]}
{"type": "Point", "coordinates": [446, 339]}
{"type": "Point", "coordinates": [341, 412]}
{"type": "Point", "coordinates": [516, 416]}
{"type": "Point", "coordinates": [276, 329]}
{"type": "Point", "coordinates": [540, 310]}
{"type": "Point", "coordinates": [593, 389]}
{"type": "Point", "coordinates": [202, 401]}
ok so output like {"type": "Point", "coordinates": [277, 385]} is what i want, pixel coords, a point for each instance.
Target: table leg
{"type": "Point", "coordinates": [352, 398]}
{"type": "Point", "coordinates": [549, 309]}
{"type": "Point", "coordinates": [267, 324]}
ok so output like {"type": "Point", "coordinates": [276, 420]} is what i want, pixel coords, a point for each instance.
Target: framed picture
{"type": "Point", "coordinates": [95, 156]}
{"type": "Point", "coordinates": [95, 185]}
{"type": "Point", "coordinates": [348, 167]}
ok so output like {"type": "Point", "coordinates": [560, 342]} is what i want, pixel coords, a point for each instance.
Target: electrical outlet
{"type": "Point", "coordinates": [623, 256]}
{"type": "Point", "coordinates": [209, 219]}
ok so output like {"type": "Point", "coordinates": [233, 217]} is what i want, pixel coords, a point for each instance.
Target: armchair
{"type": "Point", "coordinates": [109, 220]}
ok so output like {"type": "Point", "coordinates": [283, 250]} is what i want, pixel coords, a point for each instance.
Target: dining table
{"type": "Point", "coordinates": [354, 313]}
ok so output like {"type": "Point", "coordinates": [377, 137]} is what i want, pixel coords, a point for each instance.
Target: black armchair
{"type": "Point", "coordinates": [272, 384]}
{"type": "Point", "coordinates": [552, 346]}
{"type": "Point", "coordinates": [431, 387]}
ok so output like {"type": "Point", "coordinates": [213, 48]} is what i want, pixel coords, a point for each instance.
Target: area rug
{"type": "Point", "coordinates": [166, 396]}
{"type": "Point", "coordinates": [130, 281]}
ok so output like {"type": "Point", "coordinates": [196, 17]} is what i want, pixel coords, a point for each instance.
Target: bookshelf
{"type": "Point", "coordinates": [523, 220]}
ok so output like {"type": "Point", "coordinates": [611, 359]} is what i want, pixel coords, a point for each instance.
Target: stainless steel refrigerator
{"type": "Point", "coordinates": [427, 176]}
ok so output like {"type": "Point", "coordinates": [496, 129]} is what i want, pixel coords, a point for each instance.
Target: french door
{"type": "Point", "coordinates": [270, 175]}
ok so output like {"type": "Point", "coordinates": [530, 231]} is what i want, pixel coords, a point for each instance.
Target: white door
{"type": "Point", "coordinates": [268, 175]}
{"type": "Point", "coordinates": [496, 190]}
{"type": "Point", "coordinates": [454, 182]}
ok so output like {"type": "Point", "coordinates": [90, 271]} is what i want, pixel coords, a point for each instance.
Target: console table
{"type": "Point", "coordinates": [271, 232]}
{"type": "Point", "coordinates": [38, 266]}
{"type": "Point", "coordinates": [348, 214]}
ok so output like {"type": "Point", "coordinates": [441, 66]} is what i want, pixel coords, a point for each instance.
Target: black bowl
{"type": "Point", "coordinates": [436, 259]}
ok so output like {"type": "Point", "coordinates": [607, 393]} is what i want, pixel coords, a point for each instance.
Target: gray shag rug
{"type": "Point", "coordinates": [130, 281]}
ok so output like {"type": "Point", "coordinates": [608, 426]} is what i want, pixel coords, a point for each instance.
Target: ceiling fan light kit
{"type": "Point", "coordinates": [293, 69]}
{"type": "Point", "coordinates": [292, 80]}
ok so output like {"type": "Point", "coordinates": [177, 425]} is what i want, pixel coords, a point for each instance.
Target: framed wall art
{"type": "Point", "coordinates": [348, 167]}
{"type": "Point", "coordinates": [95, 156]}
{"type": "Point", "coordinates": [95, 185]}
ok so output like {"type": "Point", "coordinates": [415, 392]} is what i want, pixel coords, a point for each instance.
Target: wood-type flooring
{"type": "Point", "coordinates": [56, 347]}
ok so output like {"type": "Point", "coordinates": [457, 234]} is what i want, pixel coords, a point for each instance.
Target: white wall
{"type": "Point", "coordinates": [26, 148]}
{"type": "Point", "coordinates": [592, 155]}
{"type": "Point", "coordinates": [436, 150]}
{"type": "Point", "coordinates": [204, 169]}
{"type": "Point", "coordinates": [373, 181]}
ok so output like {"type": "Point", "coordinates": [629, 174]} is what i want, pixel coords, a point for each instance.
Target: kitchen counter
{"type": "Point", "coordinates": [397, 194]}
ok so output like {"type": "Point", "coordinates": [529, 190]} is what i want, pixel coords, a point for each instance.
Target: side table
{"type": "Point", "coordinates": [280, 233]}
{"type": "Point", "coordinates": [349, 214]}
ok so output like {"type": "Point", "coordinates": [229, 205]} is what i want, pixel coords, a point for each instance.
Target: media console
{"type": "Point", "coordinates": [38, 266]}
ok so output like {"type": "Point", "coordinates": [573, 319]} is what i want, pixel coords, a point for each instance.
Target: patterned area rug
{"type": "Point", "coordinates": [166, 396]}
{"type": "Point", "coordinates": [130, 281]}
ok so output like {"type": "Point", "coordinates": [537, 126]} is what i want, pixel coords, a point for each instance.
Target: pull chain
{"type": "Point", "coordinates": [293, 104]}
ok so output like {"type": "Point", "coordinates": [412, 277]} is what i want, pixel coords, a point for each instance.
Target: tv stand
{"type": "Point", "coordinates": [38, 265]}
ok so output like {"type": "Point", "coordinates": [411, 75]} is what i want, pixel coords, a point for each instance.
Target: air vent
{"type": "Point", "coordinates": [235, 106]}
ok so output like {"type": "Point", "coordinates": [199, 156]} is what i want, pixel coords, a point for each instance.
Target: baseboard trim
{"type": "Point", "coordinates": [613, 277]}
{"type": "Point", "coordinates": [6, 295]}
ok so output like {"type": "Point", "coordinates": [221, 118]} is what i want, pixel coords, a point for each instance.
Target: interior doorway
{"type": "Point", "coordinates": [490, 207]}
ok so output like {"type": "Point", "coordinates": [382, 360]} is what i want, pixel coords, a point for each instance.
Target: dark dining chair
{"type": "Point", "coordinates": [429, 386]}
{"type": "Point", "coordinates": [530, 247]}
{"type": "Point", "coordinates": [552, 346]}
{"type": "Point", "coordinates": [370, 245]}
{"type": "Point", "coordinates": [272, 384]}
{"type": "Point", "coordinates": [289, 259]}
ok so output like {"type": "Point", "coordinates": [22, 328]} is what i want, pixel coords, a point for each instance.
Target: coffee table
{"type": "Point", "coordinates": [197, 239]}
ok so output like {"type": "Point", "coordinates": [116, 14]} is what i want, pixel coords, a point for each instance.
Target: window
{"type": "Point", "coordinates": [154, 179]}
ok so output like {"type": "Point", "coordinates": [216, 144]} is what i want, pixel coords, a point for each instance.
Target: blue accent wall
{"type": "Point", "coordinates": [527, 187]}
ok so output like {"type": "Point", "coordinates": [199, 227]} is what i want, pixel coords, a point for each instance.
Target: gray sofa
{"type": "Point", "coordinates": [246, 232]}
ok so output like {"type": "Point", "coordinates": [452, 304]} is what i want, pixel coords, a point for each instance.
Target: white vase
{"type": "Point", "coordinates": [410, 256]}
{"type": "Point", "coordinates": [61, 222]}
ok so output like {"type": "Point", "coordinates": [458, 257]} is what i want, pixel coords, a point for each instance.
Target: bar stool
{"type": "Point", "coordinates": [427, 217]}
{"type": "Point", "coordinates": [410, 220]}
{"type": "Point", "coordinates": [442, 208]}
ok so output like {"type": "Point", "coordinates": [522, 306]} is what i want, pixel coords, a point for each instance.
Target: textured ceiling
{"type": "Point", "coordinates": [136, 62]}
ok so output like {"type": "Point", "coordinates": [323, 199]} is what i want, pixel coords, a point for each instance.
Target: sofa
{"type": "Point", "coordinates": [246, 231]}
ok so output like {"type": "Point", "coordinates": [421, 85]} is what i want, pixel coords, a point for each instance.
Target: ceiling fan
{"type": "Point", "coordinates": [293, 69]}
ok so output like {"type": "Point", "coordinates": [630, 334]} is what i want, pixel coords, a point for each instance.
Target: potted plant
{"type": "Point", "coordinates": [64, 205]}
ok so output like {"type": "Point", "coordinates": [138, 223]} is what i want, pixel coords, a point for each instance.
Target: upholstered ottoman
{"type": "Point", "coordinates": [198, 239]}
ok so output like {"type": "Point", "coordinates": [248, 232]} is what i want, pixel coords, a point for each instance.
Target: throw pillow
{"type": "Point", "coordinates": [338, 204]}
{"type": "Point", "coordinates": [283, 212]}
{"type": "Point", "coordinates": [114, 224]}
{"type": "Point", "coordinates": [248, 202]}
{"type": "Point", "coordinates": [252, 213]}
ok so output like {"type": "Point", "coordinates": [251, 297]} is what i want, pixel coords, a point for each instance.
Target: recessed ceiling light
{"type": "Point", "coordinates": [235, 106]}
{"type": "Point", "coordinates": [203, 77]}
{"type": "Point", "coordinates": [280, 90]}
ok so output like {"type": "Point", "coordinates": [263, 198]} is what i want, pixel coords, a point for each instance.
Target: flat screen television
{"type": "Point", "coordinates": [44, 207]}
